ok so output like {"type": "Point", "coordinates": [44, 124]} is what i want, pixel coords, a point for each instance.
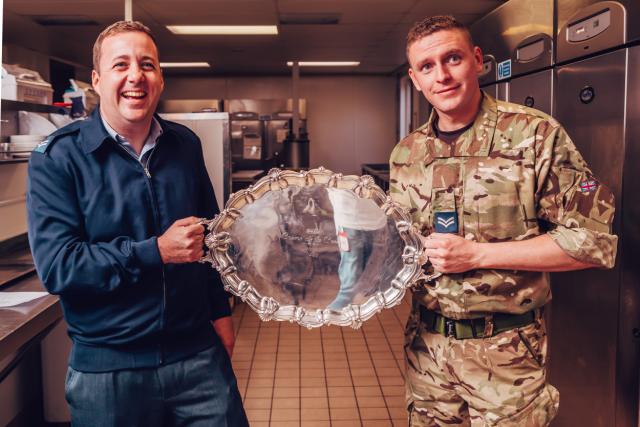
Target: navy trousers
{"type": "Point", "coordinates": [198, 391]}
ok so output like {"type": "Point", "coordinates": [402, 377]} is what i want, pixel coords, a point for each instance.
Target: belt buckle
{"type": "Point", "coordinates": [450, 328]}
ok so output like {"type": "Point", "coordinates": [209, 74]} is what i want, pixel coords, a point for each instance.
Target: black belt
{"type": "Point", "coordinates": [475, 328]}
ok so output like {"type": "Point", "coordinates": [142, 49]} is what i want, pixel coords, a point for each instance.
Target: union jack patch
{"type": "Point", "coordinates": [588, 185]}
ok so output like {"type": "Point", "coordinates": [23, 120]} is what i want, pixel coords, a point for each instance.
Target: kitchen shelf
{"type": "Point", "coordinates": [9, 105]}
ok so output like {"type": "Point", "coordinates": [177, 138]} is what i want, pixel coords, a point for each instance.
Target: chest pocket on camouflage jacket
{"type": "Point", "coordinates": [498, 195]}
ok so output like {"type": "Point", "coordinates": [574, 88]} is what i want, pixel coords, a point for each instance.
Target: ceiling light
{"type": "Point", "coordinates": [224, 29]}
{"type": "Point", "coordinates": [325, 63]}
{"type": "Point", "coordinates": [184, 64]}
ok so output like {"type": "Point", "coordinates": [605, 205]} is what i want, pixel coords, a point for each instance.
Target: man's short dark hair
{"type": "Point", "coordinates": [117, 28]}
{"type": "Point", "coordinates": [434, 24]}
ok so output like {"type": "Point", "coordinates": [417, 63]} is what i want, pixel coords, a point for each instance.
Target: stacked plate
{"type": "Point", "coordinates": [22, 145]}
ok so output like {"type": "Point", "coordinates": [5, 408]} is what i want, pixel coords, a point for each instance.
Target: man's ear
{"type": "Point", "coordinates": [95, 80]}
{"type": "Point", "coordinates": [477, 56]}
{"type": "Point", "coordinates": [413, 79]}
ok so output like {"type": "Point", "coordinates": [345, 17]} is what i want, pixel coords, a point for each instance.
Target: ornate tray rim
{"type": "Point", "coordinates": [217, 241]}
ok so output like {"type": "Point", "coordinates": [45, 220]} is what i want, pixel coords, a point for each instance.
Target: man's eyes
{"type": "Point", "coordinates": [454, 59]}
{"type": "Point", "coordinates": [148, 66]}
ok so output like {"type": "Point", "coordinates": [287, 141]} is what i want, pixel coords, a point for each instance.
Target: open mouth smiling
{"type": "Point", "coordinates": [134, 94]}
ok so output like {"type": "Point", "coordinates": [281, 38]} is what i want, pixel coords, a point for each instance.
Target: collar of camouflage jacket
{"type": "Point", "coordinates": [475, 142]}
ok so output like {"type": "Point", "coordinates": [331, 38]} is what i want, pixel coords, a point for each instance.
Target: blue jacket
{"type": "Point", "coordinates": [94, 216]}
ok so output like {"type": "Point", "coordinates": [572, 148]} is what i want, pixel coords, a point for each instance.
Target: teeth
{"type": "Point", "coordinates": [134, 94]}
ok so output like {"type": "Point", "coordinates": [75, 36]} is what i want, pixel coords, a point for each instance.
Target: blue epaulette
{"type": "Point", "coordinates": [49, 140]}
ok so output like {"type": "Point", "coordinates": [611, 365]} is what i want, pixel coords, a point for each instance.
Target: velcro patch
{"type": "Point", "coordinates": [445, 222]}
{"type": "Point", "coordinates": [588, 185]}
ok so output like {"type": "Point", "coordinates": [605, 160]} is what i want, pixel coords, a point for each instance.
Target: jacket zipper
{"type": "Point", "coordinates": [147, 173]}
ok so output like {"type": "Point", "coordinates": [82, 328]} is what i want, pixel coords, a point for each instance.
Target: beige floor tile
{"type": "Point", "coordinates": [285, 403]}
{"type": "Point", "coordinates": [391, 380]}
{"type": "Point", "coordinates": [376, 423]}
{"type": "Point", "coordinates": [342, 402]}
{"type": "Point", "coordinates": [364, 355]}
{"type": "Point", "coordinates": [365, 381]}
{"type": "Point", "coordinates": [399, 413]}
{"type": "Point", "coordinates": [315, 414]}
{"type": "Point", "coordinates": [388, 372]}
{"type": "Point", "coordinates": [288, 349]}
{"type": "Point", "coordinates": [313, 392]}
{"type": "Point", "coordinates": [395, 401]}
{"type": "Point", "coordinates": [308, 423]}
{"type": "Point", "coordinates": [371, 414]}
{"type": "Point", "coordinates": [334, 364]}
{"type": "Point", "coordinates": [286, 382]}
{"type": "Point", "coordinates": [362, 372]}
{"type": "Point", "coordinates": [258, 414]}
{"type": "Point", "coordinates": [339, 381]}
{"type": "Point", "coordinates": [262, 373]}
{"type": "Point", "coordinates": [400, 423]}
{"type": "Point", "coordinates": [314, 402]}
{"type": "Point", "coordinates": [260, 392]}
{"type": "Point", "coordinates": [313, 382]}
{"type": "Point", "coordinates": [338, 372]}
{"type": "Point", "coordinates": [260, 424]}
{"type": "Point", "coordinates": [360, 363]}
{"type": "Point", "coordinates": [341, 391]}
{"type": "Point", "coordinates": [344, 414]}
{"type": "Point", "coordinates": [312, 364]}
{"type": "Point", "coordinates": [345, 423]}
{"type": "Point", "coordinates": [287, 372]}
{"type": "Point", "coordinates": [284, 424]}
{"type": "Point", "coordinates": [312, 373]}
{"type": "Point", "coordinates": [285, 415]}
{"type": "Point", "coordinates": [393, 390]}
{"type": "Point", "coordinates": [257, 403]}
{"type": "Point", "coordinates": [260, 382]}
{"type": "Point", "coordinates": [368, 391]}
{"type": "Point", "coordinates": [371, 402]}
{"type": "Point", "coordinates": [288, 392]}
{"type": "Point", "coordinates": [288, 356]}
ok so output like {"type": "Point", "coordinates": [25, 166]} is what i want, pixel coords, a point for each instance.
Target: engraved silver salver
{"type": "Point", "coordinates": [315, 247]}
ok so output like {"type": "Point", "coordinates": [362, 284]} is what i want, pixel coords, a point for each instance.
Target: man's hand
{"type": "Point", "coordinates": [182, 242]}
{"type": "Point", "coordinates": [224, 329]}
{"type": "Point", "coordinates": [450, 253]}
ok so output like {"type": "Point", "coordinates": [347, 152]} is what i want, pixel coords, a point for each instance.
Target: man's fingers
{"type": "Point", "coordinates": [187, 221]}
{"type": "Point", "coordinates": [194, 230]}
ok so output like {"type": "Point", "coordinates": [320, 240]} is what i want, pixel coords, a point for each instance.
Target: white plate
{"type": "Point", "coordinates": [27, 138]}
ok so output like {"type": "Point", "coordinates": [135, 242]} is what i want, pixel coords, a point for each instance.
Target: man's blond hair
{"type": "Point", "coordinates": [117, 28]}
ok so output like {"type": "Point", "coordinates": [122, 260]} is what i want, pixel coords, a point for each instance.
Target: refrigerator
{"type": "Point", "coordinates": [595, 329]}
{"type": "Point", "coordinates": [213, 131]}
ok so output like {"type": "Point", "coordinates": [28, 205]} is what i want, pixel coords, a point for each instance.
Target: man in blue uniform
{"type": "Point", "coordinates": [113, 205]}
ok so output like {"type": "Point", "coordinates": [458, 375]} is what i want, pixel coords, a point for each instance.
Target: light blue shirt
{"type": "Point", "coordinates": [149, 143]}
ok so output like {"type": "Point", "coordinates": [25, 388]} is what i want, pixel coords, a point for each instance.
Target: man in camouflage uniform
{"type": "Point", "coordinates": [503, 197]}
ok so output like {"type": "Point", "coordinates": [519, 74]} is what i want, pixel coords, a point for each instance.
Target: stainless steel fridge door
{"type": "Point", "coordinates": [533, 90]}
{"type": "Point", "coordinates": [583, 332]}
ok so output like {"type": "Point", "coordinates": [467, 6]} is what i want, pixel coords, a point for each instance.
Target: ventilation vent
{"type": "Point", "coordinates": [63, 20]}
{"type": "Point", "coordinates": [309, 18]}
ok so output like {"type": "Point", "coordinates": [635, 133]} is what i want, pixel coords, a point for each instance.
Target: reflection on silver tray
{"type": "Point", "coordinates": [314, 247]}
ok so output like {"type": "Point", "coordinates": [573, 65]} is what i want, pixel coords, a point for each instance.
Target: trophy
{"type": "Point", "coordinates": [315, 247]}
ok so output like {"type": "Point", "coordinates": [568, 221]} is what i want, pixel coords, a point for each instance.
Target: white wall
{"type": "Point", "coordinates": [351, 119]}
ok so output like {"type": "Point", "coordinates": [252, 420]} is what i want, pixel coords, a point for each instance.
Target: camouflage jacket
{"type": "Point", "coordinates": [515, 174]}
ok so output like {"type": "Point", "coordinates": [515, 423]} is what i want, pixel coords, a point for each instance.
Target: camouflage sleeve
{"type": "Point", "coordinates": [397, 188]}
{"type": "Point", "coordinates": [579, 208]}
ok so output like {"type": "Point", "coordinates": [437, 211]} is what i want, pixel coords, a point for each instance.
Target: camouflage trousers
{"type": "Point", "coordinates": [496, 381]}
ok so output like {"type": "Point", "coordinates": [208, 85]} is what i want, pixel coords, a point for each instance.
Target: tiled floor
{"type": "Point", "coordinates": [331, 376]}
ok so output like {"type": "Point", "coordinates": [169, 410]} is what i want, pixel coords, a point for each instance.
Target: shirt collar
{"type": "Point", "coordinates": [94, 132]}
{"type": "Point", "coordinates": [154, 133]}
{"type": "Point", "coordinates": [476, 141]}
